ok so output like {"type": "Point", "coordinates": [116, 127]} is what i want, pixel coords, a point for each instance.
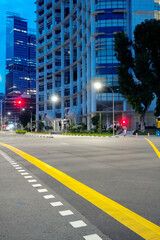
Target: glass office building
{"type": "Point", "coordinates": [75, 49]}
{"type": "Point", "coordinates": [20, 56]}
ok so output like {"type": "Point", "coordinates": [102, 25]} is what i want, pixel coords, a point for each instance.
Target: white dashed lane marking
{"type": "Point", "coordinates": [36, 185]}
{"type": "Point", "coordinates": [74, 224]}
{"type": "Point", "coordinates": [56, 204]}
{"type": "Point", "coordinates": [92, 237]}
{"type": "Point", "coordinates": [78, 224]}
{"type": "Point", "coordinates": [66, 213]}
{"type": "Point", "coordinates": [27, 176]}
{"type": "Point", "coordinates": [48, 196]}
{"type": "Point", "coordinates": [42, 190]}
{"type": "Point", "coordinates": [25, 173]}
{"type": "Point", "coordinates": [33, 180]}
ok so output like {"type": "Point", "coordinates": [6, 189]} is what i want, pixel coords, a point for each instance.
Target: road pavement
{"type": "Point", "coordinates": [125, 170]}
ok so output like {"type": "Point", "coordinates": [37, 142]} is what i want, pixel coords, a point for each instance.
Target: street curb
{"type": "Point", "coordinates": [89, 136]}
{"type": "Point", "coordinates": [40, 135]}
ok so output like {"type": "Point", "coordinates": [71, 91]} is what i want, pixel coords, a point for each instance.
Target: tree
{"type": "Point", "coordinates": [95, 120]}
{"type": "Point", "coordinates": [24, 118]}
{"type": "Point", "coordinates": [40, 126]}
{"type": "Point", "coordinates": [139, 68]}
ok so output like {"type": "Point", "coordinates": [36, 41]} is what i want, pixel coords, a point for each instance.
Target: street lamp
{"type": "Point", "coordinates": [15, 123]}
{"type": "Point", "coordinates": [98, 86]}
{"type": "Point", "coordinates": [54, 98]}
{"type": "Point", "coordinates": [19, 102]}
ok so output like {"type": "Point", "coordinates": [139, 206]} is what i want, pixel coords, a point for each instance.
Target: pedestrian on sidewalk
{"type": "Point", "coordinates": [125, 131]}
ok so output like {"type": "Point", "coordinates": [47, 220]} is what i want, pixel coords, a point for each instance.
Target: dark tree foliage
{"type": "Point", "coordinates": [139, 69]}
{"type": "Point", "coordinates": [24, 118]}
{"type": "Point", "coordinates": [95, 120]}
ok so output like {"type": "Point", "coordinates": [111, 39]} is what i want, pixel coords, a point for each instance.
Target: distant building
{"type": "Point", "coordinates": [2, 95]}
{"type": "Point", "coordinates": [20, 67]}
{"type": "Point", "coordinates": [20, 56]}
{"type": "Point", "coordinates": [75, 48]}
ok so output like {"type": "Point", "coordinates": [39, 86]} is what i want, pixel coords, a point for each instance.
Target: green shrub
{"type": "Point", "coordinates": [40, 126]}
{"type": "Point", "coordinates": [47, 128]}
{"type": "Point", "coordinates": [150, 131]}
{"type": "Point", "coordinates": [99, 129]}
{"type": "Point", "coordinates": [21, 131]}
{"type": "Point", "coordinates": [95, 120]}
{"type": "Point", "coordinates": [110, 130]}
{"type": "Point", "coordinates": [77, 128]}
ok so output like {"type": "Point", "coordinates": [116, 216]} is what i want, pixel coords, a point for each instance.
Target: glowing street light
{"type": "Point", "coordinates": [98, 86]}
{"type": "Point", "coordinates": [54, 98]}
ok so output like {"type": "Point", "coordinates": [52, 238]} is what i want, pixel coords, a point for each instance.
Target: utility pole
{"type": "Point", "coordinates": [31, 121]}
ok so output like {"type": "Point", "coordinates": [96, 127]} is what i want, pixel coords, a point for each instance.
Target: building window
{"type": "Point", "coordinates": [49, 85]}
{"type": "Point", "coordinates": [74, 101]}
{"type": "Point", "coordinates": [41, 107]}
{"type": "Point", "coordinates": [41, 88]}
{"type": "Point", "coordinates": [49, 106]}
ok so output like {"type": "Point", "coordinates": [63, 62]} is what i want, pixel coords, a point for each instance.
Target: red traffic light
{"type": "Point", "coordinates": [19, 102]}
{"type": "Point", "coordinates": [124, 122]}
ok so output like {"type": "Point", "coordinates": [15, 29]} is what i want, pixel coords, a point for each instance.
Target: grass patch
{"type": "Point", "coordinates": [40, 132]}
{"type": "Point", "coordinates": [21, 131]}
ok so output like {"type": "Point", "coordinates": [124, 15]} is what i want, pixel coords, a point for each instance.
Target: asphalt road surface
{"type": "Point", "coordinates": [35, 205]}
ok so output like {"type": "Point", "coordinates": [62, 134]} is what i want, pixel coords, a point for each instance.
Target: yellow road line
{"type": "Point", "coordinates": [133, 221]}
{"type": "Point", "coordinates": [155, 149]}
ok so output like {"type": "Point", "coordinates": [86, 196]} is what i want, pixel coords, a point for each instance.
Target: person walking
{"type": "Point", "coordinates": [125, 131]}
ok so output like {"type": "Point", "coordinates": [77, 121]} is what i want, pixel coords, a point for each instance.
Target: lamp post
{"type": "Point", "coordinates": [98, 86]}
{"type": "Point", "coordinates": [1, 115]}
{"type": "Point", "coordinates": [15, 123]}
{"type": "Point", "coordinates": [31, 118]}
{"type": "Point", "coordinates": [56, 99]}
{"type": "Point", "coordinates": [19, 102]}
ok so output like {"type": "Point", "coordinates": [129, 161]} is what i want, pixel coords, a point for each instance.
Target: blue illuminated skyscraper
{"type": "Point", "coordinates": [20, 56]}
{"type": "Point", "coordinates": [75, 48]}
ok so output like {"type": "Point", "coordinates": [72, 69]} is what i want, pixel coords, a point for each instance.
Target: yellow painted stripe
{"type": "Point", "coordinates": [155, 149]}
{"type": "Point", "coordinates": [133, 221]}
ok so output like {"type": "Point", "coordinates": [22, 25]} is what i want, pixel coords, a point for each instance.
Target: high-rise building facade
{"type": "Point", "coordinates": [75, 49]}
{"type": "Point", "coordinates": [20, 56]}
{"type": "Point", "coordinates": [20, 68]}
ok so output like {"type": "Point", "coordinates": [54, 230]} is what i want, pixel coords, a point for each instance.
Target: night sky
{"type": "Point", "coordinates": [24, 7]}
